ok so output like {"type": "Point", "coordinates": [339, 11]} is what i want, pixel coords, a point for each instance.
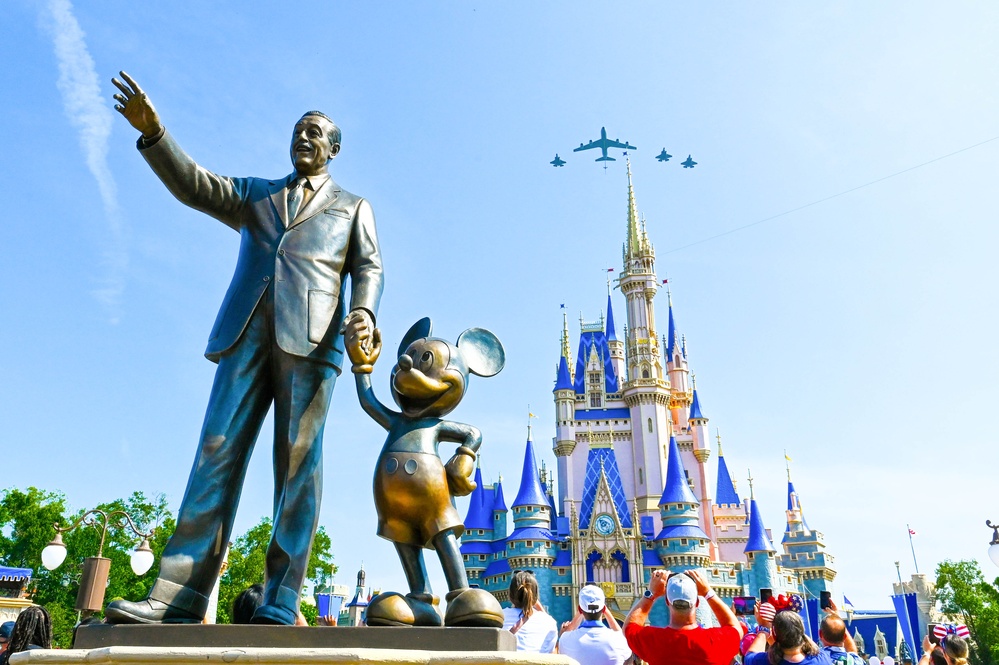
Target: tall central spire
{"type": "Point", "coordinates": [634, 235]}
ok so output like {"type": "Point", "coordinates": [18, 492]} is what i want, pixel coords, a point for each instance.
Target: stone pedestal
{"type": "Point", "coordinates": [101, 636]}
{"type": "Point", "coordinates": [277, 656]}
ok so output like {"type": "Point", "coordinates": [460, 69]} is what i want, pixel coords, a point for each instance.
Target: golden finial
{"type": "Point", "coordinates": [693, 381]}
{"type": "Point", "coordinates": [750, 473]}
{"type": "Point", "coordinates": [718, 436]}
{"type": "Point", "coordinates": [633, 243]}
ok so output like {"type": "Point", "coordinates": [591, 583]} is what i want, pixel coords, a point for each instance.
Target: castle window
{"type": "Point", "coordinates": [683, 541]}
{"type": "Point", "coordinates": [650, 425]}
{"type": "Point", "coordinates": [464, 557]}
{"type": "Point", "coordinates": [594, 400]}
{"type": "Point", "coordinates": [482, 557]}
{"type": "Point", "coordinates": [530, 543]}
{"type": "Point", "coordinates": [645, 373]}
{"type": "Point", "coordinates": [641, 477]}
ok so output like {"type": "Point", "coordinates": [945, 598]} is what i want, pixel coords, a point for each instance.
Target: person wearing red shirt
{"type": "Point", "coordinates": [683, 642]}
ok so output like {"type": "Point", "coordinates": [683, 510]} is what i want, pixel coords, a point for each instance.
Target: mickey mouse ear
{"type": "Point", "coordinates": [482, 352]}
{"type": "Point", "coordinates": [419, 330]}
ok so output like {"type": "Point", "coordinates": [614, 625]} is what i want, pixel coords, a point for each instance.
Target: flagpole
{"type": "Point", "coordinates": [911, 547]}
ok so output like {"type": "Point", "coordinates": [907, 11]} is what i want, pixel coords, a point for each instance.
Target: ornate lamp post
{"type": "Point", "coordinates": [94, 578]}
{"type": "Point", "coordinates": [994, 545]}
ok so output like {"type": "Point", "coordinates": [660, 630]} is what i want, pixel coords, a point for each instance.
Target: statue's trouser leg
{"type": "Point", "coordinates": [302, 392]}
{"type": "Point", "coordinates": [240, 398]}
{"type": "Point", "coordinates": [413, 565]}
{"type": "Point", "coordinates": [450, 555]}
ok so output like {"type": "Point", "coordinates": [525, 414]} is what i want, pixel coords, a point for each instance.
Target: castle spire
{"type": "Point", "coordinates": [566, 350]}
{"type": "Point", "coordinates": [609, 328]}
{"type": "Point", "coordinates": [725, 494]}
{"type": "Point", "coordinates": [633, 245]}
{"type": "Point", "coordinates": [695, 408]}
{"type": "Point", "coordinates": [758, 539]}
{"type": "Point", "coordinates": [479, 514]}
{"type": "Point", "coordinates": [530, 493]}
{"type": "Point", "coordinates": [677, 490]}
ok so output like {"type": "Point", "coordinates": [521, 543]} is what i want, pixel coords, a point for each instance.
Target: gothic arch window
{"type": "Point", "coordinates": [650, 425]}
{"type": "Point", "coordinates": [645, 373]}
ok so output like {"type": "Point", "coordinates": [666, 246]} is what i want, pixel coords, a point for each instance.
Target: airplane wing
{"type": "Point", "coordinates": [592, 144]}
{"type": "Point", "coordinates": [617, 144]}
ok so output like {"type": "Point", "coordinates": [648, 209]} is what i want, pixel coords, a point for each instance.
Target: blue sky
{"type": "Point", "coordinates": [857, 333]}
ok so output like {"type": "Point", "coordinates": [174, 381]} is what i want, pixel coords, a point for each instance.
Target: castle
{"type": "Point", "coordinates": [631, 492]}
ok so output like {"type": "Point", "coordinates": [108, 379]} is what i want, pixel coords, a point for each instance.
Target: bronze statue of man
{"type": "Point", "coordinates": [277, 339]}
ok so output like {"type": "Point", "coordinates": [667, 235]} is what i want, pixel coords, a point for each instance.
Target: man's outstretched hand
{"type": "Point", "coordinates": [136, 107]}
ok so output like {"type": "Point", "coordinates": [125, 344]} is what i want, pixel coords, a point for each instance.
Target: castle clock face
{"type": "Point", "coordinates": [604, 524]}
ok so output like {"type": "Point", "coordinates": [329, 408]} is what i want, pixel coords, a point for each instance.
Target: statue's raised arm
{"type": "Point", "coordinates": [134, 104]}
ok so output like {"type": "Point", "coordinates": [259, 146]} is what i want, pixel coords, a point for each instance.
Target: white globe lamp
{"type": "Point", "coordinates": [54, 553]}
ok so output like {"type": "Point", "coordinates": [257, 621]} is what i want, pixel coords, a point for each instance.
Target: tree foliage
{"type": "Point", "coordinates": [27, 519]}
{"type": "Point", "coordinates": [248, 565]}
{"type": "Point", "coordinates": [963, 591]}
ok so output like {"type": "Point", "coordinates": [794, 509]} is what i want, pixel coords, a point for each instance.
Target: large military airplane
{"type": "Point", "coordinates": [663, 156]}
{"type": "Point", "coordinates": [688, 163]}
{"type": "Point", "coordinates": [604, 143]}
{"type": "Point", "coordinates": [557, 161]}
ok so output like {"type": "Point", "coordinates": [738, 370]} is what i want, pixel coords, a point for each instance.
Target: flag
{"type": "Point", "coordinates": [610, 270]}
{"type": "Point", "coordinates": [531, 415]}
{"type": "Point", "coordinates": [787, 458]}
{"type": "Point", "coordinates": [665, 281]}
{"type": "Point", "coordinates": [847, 605]}
{"type": "Point", "coordinates": [912, 532]}
{"type": "Point", "coordinates": [562, 306]}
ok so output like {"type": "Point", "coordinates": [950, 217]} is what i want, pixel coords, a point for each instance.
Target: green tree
{"type": "Point", "coordinates": [248, 565]}
{"type": "Point", "coordinates": [28, 516]}
{"type": "Point", "coordinates": [962, 590]}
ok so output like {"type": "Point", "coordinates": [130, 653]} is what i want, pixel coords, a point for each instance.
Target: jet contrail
{"type": "Point", "coordinates": [92, 117]}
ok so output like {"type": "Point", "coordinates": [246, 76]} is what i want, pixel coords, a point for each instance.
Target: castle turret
{"type": "Point", "coordinates": [565, 420]}
{"type": "Point", "coordinates": [760, 553]}
{"type": "Point", "coordinates": [729, 514]}
{"type": "Point", "coordinates": [804, 548]}
{"type": "Point", "coordinates": [476, 541]}
{"type": "Point", "coordinates": [682, 544]}
{"type": "Point", "coordinates": [646, 393]}
{"type": "Point", "coordinates": [531, 507]}
{"type": "Point", "coordinates": [499, 511]}
{"type": "Point", "coordinates": [615, 345]}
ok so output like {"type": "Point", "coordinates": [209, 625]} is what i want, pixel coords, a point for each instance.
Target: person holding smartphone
{"type": "Point", "coordinates": [683, 642]}
{"type": "Point", "coordinates": [835, 638]}
{"type": "Point", "coordinates": [587, 639]}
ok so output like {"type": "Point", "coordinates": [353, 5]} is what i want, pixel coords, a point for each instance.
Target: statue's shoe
{"type": "Point", "coordinates": [146, 611]}
{"type": "Point", "coordinates": [274, 615]}
{"type": "Point", "coordinates": [473, 607]}
{"type": "Point", "coordinates": [395, 609]}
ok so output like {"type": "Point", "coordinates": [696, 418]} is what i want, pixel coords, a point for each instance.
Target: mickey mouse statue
{"type": "Point", "coordinates": [412, 487]}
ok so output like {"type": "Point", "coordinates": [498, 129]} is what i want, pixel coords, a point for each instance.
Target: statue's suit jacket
{"type": "Point", "coordinates": [305, 260]}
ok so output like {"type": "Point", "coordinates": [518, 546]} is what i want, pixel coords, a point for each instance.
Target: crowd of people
{"type": "Point", "coordinates": [593, 636]}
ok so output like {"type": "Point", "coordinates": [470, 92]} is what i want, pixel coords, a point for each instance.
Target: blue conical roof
{"type": "Point", "coordinates": [726, 493]}
{"type": "Point", "coordinates": [610, 332]}
{"type": "Point", "coordinates": [479, 514]}
{"type": "Point", "coordinates": [758, 539]}
{"type": "Point", "coordinates": [531, 493]}
{"type": "Point", "coordinates": [677, 490]}
{"type": "Point", "coordinates": [695, 408]}
{"type": "Point", "coordinates": [499, 503]}
{"type": "Point", "coordinates": [790, 495]}
{"type": "Point", "coordinates": [563, 381]}
{"type": "Point", "coordinates": [671, 335]}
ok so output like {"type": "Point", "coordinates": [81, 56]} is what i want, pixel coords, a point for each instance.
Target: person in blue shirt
{"type": "Point", "coordinates": [789, 645]}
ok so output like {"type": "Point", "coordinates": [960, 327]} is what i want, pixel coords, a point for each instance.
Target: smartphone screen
{"type": "Point", "coordinates": [825, 599]}
{"type": "Point", "coordinates": [766, 594]}
{"type": "Point", "coordinates": [739, 606]}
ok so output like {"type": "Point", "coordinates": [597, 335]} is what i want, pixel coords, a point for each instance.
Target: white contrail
{"type": "Point", "coordinates": [92, 117]}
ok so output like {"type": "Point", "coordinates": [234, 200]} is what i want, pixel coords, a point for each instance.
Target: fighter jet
{"type": "Point", "coordinates": [604, 143]}
{"type": "Point", "coordinates": [557, 162]}
{"type": "Point", "coordinates": [688, 163]}
{"type": "Point", "coordinates": [663, 156]}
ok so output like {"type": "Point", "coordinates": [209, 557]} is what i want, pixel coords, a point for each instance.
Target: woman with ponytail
{"type": "Point", "coordinates": [953, 649]}
{"type": "Point", "coordinates": [534, 628]}
{"type": "Point", "coordinates": [788, 643]}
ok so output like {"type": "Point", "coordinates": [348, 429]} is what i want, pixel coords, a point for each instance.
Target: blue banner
{"type": "Point", "coordinates": [811, 617]}
{"type": "Point", "coordinates": [902, 612]}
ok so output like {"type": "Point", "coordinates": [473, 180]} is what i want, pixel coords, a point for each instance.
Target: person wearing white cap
{"type": "Point", "coordinates": [683, 642]}
{"type": "Point", "coordinates": [587, 639]}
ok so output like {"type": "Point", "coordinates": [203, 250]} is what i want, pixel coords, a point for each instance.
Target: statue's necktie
{"type": "Point", "coordinates": [295, 197]}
